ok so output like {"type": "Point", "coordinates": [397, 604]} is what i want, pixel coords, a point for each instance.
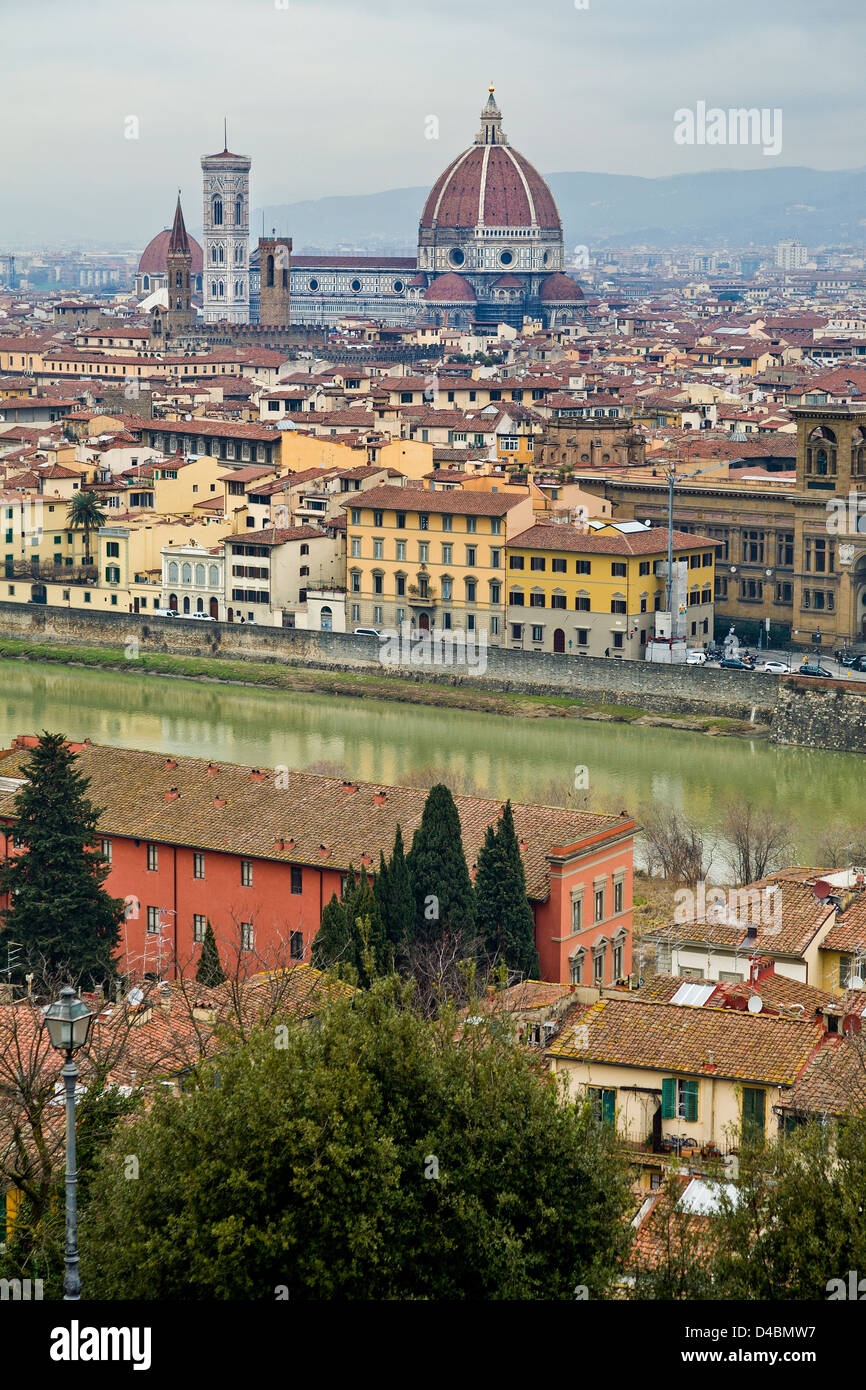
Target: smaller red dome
{"type": "Point", "coordinates": [450, 289]}
{"type": "Point", "coordinates": [560, 288]}
{"type": "Point", "coordinates": [153, 256]}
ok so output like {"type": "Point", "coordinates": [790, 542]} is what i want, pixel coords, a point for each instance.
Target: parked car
{"type": "Point", "coordinates": [164, 613]}
{"type": "Point", "coordinates": [776, 668]}
{"type": "Point", "coordinates": [695, 656]}
{"type": "Point", "coordinates": [203, 617]}
{"type": "Point", "coordinates": [366, 632]}
{"type": "Point", "coordinates": [810, 669]}
{"type": "Point", "coordinates": [736, 663]}
{"type": "Point", "coordinates": [849, 657]}
{"type": "Point", "coordinates": [855, 663]}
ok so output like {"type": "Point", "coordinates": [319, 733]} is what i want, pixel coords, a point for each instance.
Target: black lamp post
{"type": "Point", "coordinates": [68, 1021]}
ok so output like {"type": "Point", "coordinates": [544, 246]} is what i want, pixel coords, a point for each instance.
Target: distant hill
{"type": "Point", "coordinates": [723, 207]}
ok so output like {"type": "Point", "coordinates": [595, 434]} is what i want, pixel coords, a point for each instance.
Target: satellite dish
{"type": "Point", "coordinates": [755, 1004]}
{"type": "Point", "coordinates": [135, 997]}
{"type": "Point", "coordinates": [855, 982]}
{"type": "Point", "coordinates": [822, 889]}
{"type": "Point", "coordinates": [851, 1025]}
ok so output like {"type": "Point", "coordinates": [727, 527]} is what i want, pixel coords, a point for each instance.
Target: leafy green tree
{"type": "Point", "coordinates": [375, 1157]}
{"type": "Point", "coordinates": [441, 886]}
{"type": "Point", "coordinates": [85, 514]}
{"type": "Point", "coordinates": [209, 971]}
{"type": "Point", "coordinates": [392, 888]}
{"type": "Point", "coordinates": [796, 1219]}
{"type": "Point", "coordinates": [351, 940]}
{"type": "Point", "coordinates": [59, 914]}
{"type": "Point", "coordinates": [503, 913]}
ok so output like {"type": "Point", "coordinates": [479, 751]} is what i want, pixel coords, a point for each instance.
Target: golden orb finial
{"type": "Point", "coordinates": [491, 89]}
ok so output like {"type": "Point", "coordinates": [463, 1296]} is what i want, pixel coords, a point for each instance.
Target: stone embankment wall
{"type": "Point", "coordinates": [662, 689]}
{"type": "Point", "coordinates": [821, 714]}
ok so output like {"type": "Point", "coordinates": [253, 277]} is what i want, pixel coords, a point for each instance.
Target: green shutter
{"type": "Point", "coordinates": [691, 1098]}
{"type": "Point", "coordinates": [669, 1098]}
{"type": "Point", "coordinates": [754, 1111]}
{"type": "Point", "coordinates": [608, 1107]}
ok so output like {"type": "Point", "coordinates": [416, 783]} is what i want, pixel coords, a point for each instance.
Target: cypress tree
{"type": "Point", "coordinates": [59, 913]}
{"type": "Point", "coordinates": [392, 887]}
{"type": "Point", "coordinates": [351, 939]}
{"type": "Point", "coordinates": [210, 971]}
{"type": "Point", "coordinates": [441, 886]}
{"type": "Point", "coordinates": [504, 915]}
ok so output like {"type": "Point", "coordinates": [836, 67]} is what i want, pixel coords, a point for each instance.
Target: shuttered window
{"type": "Point", "coordinates": [679, 1100]}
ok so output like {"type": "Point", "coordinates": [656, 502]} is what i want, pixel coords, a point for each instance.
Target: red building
{"type": "Point", "coordinates": [259, 854]}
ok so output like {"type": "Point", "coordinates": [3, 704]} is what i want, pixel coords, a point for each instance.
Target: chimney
{"type": "Point", "coordinates": [172, 794]}
{"type": "Point", "coordinates": [324, 851]}
{"type": "Point", "coordinates": [171, 762]}
{"type": "Point", "coordinates": [350, 786]}
{"type": "Point", "coordinates": [380, 797]}
{"type": "Point", "coordinates": [211, 767]}
{"type": "Point", "coordinates": [219, 801]}
{"type": "Point", "coordinates": [257, 775]}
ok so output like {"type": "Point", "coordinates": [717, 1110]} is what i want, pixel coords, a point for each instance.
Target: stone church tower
{"type": "Point", "coordinates": [226, 222]}
{"type": "Point", "coordinates": [179, 317]}
{"type": "Point", "coordinates": [274, 293]}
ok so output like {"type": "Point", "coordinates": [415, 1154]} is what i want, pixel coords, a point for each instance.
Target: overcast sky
{"type": "Point", "coordinates": [332, 96]}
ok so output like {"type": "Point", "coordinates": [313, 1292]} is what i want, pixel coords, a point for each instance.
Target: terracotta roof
{"type": "Point", "coordinates": [559, 536]}
{"type": "Point", "coordinates": [416, 499]}
{"type": "Point", "coordinates": [273, 535]}
{"type": "Point", "coordinates": [848, 932]}
{"type": "Point", "coordinates": [310, 811]}
{"type": "Point", "coordinates": [559, 288]}
{"type": "Point", "coordinates": [680, 1038]}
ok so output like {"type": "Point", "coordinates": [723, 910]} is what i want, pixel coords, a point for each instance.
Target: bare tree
{"type": "Point", "coordinates": [839, 846]}
{"type": "Point", "coordinates": [674, 848]}
{"type": "Point", "coordinates": [759, 840]}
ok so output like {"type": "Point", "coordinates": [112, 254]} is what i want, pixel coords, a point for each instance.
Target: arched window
{"type": "Point", "coordinates": [213, 288]}
{"type": "Point", "coordinates": [218, 211]}
{"type": "Point", "coordinates": [178, 280]}
{"type": "Point", "coordinates": [199, 575]}
{"type": "Point", "coordinates": [213, 254]}
{"type": "Point", "coordinates": [172, 572]}
{"type": "Point", "coordinates": [214, 576]}
{"type": "Point", "coordinates": [221, 255]}
{"type": "Point", "coordinates": [186, 574]}
{"type": "Point", "coordinates": [199, 605]}
{"type": "Point", "coordinates": [327, 618]}
{"type": "Point", "coordinates": [222, 289]}
{"type": "Point", "coordinates": [145, 284]}
{"type": "Point", "coordinates": [270, 271]}
{"type": "Point", "coordinates": [239, 211]}
{"type": "Point", "coordinates": [186, 603]}
{"type": "Point", "coordinates": [239, 289]}
{"type": "Point", "coordinates": [178, 303]}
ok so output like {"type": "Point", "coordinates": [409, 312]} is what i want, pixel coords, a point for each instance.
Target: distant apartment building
{"type": "Point", "coordinates": [791, 254]}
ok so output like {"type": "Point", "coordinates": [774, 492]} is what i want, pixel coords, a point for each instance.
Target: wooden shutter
{"type": "Point", "coordinates": [691, 1107]}
{"type": "Point", "coordinates": [608, 1107]}
{"type": "Point", "coordinates": [754, 1110]}
{"type": "Point", "coordinates": [669, 1098]}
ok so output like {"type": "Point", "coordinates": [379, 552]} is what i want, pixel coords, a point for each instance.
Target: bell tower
{"type": "Point", "coordinates": [179, 316]}
{"type": "Point", "coordinates": [275, 292]}
{"type": "Point", "coordinates": [226, 222]}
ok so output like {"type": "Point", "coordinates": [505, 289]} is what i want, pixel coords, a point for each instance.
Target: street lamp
{"type": "Point", "coordinates": [68, 1021]}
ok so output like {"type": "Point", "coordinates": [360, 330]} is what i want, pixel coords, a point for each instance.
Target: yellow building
{"type": "Point", "coordinates": [431, 558]}
{"type": "Point", "coordinates": [664, 1072]}
{"type": "Point", "coordinates": [593, 591]}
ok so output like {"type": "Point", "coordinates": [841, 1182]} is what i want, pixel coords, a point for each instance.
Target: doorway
{"type": "Point", "coordinates": [559, 640]}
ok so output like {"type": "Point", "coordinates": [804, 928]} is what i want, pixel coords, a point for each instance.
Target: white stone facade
{"type": "Point", "coordinates": [226, 223]}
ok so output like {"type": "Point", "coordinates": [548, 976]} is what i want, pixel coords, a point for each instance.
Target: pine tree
{"type": "Point", "coordinates": [504, 915]}
{"type": "Point", "coordinates": [59, 914]}
{"type": "Point", "coordinates": [392, 888]}
{"type": "Point", "coordinates": [441, 886]}
{"type": "Point", "coordinates": [210, 971]}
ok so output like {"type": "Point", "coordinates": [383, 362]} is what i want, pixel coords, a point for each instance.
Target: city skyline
{"type": "Point", "coordinates": [364, 93]}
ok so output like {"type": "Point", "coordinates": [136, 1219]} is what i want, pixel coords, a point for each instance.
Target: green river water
{"type": "Point", "coordinates": [526, 759]}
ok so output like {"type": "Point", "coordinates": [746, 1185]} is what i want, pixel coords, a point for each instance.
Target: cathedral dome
{"type": "Point", "coordinates": [559, 289]}
{"type": "Point", "coordinates": [450, 289]}
{"type": "Point", "coordinates": [490, 185]}
{"type": "Point", "coordinates": [153, 256]}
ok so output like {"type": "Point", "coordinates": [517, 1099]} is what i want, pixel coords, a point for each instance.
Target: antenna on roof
{"type": "Point", "coordinates": [225, 133]}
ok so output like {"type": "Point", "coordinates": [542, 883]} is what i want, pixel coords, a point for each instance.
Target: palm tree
{"type": "Point", "coordinates": [85, 514]}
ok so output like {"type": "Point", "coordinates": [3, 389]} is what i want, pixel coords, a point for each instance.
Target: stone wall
{"type": "Point", "coordinates": [663, 689]}
{"type": "Point", "coordinates": [821, 714]}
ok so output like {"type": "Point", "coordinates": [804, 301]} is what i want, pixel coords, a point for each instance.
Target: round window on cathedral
{"type": "Point", "coordinates": [398, 287]}
{"type": "Point", "coordinates": [457, 257]}
{"type": "Point", "coordinates": [506, 258]}
{"type": "Point", "coordinates": [313, 285]}
{"type": "Point", "coordinates": [356, 285]}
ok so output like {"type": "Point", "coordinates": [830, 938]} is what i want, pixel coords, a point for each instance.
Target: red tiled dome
{"type": "Point", "coordinates": [559, 288]}
{"type": "Point", "coordinates": [490, 185]}
{"type": "Point", "coordinates": [153, 256]}
{"type": "Point", "coordinates": [450, 289]}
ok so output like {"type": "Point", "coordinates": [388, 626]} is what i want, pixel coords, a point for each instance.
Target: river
{"type": "Point", "coordinates": [526, 759]}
